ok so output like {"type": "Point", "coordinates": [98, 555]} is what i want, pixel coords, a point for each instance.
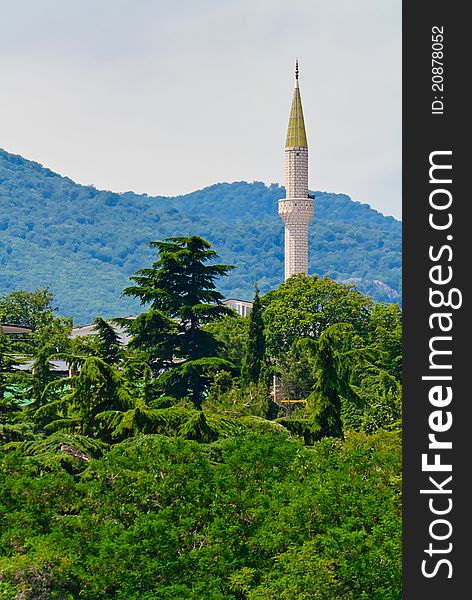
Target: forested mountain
{"type": "Point", "coordinates": [84, 243]}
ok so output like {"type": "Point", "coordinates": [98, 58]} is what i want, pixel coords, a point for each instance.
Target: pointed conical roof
{"type": "Point", "coordinates": [296, 134]}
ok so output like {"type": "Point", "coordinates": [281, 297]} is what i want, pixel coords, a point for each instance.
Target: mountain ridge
{"type": "Point", "coordinates": [84, 243]}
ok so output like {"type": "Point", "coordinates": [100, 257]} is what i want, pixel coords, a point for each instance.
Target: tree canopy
{"type": "Point", "coordinates": [257, 516]}
{"type": "Point", "coordinates": [303, 307]}
{"type": "Point", "coordinates": [169, 467]}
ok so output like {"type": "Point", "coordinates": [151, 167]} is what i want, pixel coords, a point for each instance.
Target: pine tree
{"type": "Point", "coordinates": [108, 341]}
{"type": "Point", "coordinates": [97, 388]}
{"type": "Point", "coordinates": [180, 289]}
{"type": "Point", "coordinates": [182, 286]}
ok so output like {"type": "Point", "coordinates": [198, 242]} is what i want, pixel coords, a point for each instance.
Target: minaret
{"type": "Point", "coordinates": [297, 208]}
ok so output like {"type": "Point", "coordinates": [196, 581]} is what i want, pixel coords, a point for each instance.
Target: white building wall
{"type": "Point", "coordinates": [296, 172]}
{"type": "Point", "coordinates": [296, 211]}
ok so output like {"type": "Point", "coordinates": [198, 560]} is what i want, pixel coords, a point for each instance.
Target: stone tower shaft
{"type": "Point", "coordinates": [297, 208]}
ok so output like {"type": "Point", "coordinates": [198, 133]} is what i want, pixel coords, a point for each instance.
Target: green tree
{"type": "Point", "coordinates": [42, 373]}
{"type": "Point", "coordinates": [47, 343]}
{"type": "Point", "coordinates": [155, 336]}
{"type": "Point", "coordinates": [180, 288]}
{"type": "Point", "coordinates": [50, 335]}
{"type": "Point", "coordinates": [32, 309]}
{"type": "Point", "coordinates": [255, 352]}
{"type": "Point", "coordinates": [231, 333]}
{"type": "Point", "coordinates": [379, 383]}
{"type": "Point", "coordinates": [303, 307]}
{"type": "Point", "coordinates": [99, 387]}
{"type": "Point", "coordinates": [192, 379]}
{"type": "Point", "coordinates": [256, 515]}
{"type": "Point", "coordinates": [228, 397]}
{"type": "Point", "coordinates": [385, 334]}
{"type": "Point", "coordinates": [108, 341]}
{"type": "Point", "coordinates": [8, 364]}
{"type": "Point", "coordinates": [181, 285]}
{"type": "Point", "coordinates": [294, 369]}
{"type": "Point", "coordinates": [333, 362]}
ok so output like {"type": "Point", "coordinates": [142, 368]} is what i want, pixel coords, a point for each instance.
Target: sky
{"type": "Point", "coordinates": [165, 97]}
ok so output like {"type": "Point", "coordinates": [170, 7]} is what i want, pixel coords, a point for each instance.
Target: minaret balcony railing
{"type": "Point", "coordinates": [296, 210]}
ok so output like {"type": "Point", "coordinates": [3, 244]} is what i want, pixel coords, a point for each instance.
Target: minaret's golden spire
{"type": "Point", "coordinates": [296, 134]}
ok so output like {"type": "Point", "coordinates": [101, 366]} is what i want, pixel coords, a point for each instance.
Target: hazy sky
{"type": "Point", "coordinates": [168, 96]}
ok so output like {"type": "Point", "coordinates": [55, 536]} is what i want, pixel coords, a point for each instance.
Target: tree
{"type": "Point", "coordinates": [108, 341]}
{"type": "Point", "coordinates": [32, 309]}
{"type": "Point", "coordinates": [180, 288]}
{"type": "Point", "coordinates": [181, 285]}
{"type": "Point", "coordinates": [8, 365]}
{"type": "Point", "coordinates": [385, 333]}
{"type": "Point", "coordinates": [256, 515]}
{"type": "Point", "coordinates": [295, 371]}
{"type": "Point", "coordinates": [303, 307]}
{"type": "Point", "coordinates": [50, 335]}
{"type": "Point", "coordinates": [333, 361]}
{"type": "Point", "coordinates": [35, 310]}
{"type": "Point", "coordinates": [255, 354]}
{"type": "Point", "coordinates": [231, 333]}
{"type": "Point", "coordinates": [42, 373]}
{"type": "Point", "coordinates": [192, 379]}
{"type": "Point", "coordinates": [99, 387]}
{"type": "Point", "coordinates": [155, 335]}
{"type": "Point", "coordinates": [228, 397]}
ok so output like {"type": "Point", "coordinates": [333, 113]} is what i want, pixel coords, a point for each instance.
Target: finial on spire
{"type": "Point", "coordinates": [296, 69]}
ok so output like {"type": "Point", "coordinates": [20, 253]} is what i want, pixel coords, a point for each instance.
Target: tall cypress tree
{"type": "Point", "coordinates": [255, 348]}
{"type": "Point", "coordinates": [333, 362]}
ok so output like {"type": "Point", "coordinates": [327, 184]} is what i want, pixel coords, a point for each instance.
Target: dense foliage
{"type": "Point", "coordinates": [166, 468]}
{"type": "Point", "coordinates": [256, 516]}
{"type": "Point", "coordinates": [85, 243]}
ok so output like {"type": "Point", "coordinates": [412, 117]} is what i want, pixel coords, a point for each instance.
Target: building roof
{"type": "Point", "coordinates": [296, 134]}
{"type": "Point", "coordinates": [14, 328]}
{"type": "Point", "coordinates": [91, 329]}
{"type": "Point", "coordinates": [57, 365]}
{"type": "Point", "coordinates": [229, 300]}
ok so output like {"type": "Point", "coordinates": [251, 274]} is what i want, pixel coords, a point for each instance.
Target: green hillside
{"type": "Point", "coordinates": [84, 243]}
